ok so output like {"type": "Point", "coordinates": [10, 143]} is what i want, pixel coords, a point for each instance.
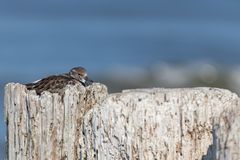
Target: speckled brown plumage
{"type": "Point", "coordinates": [56, 83]}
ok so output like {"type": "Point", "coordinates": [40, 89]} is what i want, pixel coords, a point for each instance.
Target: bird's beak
{"type": "Point", "coordinates": [88, 81]}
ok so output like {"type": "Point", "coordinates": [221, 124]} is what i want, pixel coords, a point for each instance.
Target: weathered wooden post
{"type": "Point", "coordinates": [86, 123]}
{"type": "Point", "coordinates": [183, 124]}
{"type": "Point", "coordinates": [47, 127]}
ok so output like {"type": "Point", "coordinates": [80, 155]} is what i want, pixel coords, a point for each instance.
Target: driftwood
{"type": "Point", "coordinates": [87, 123]}
{"type": "Point", "coordinates": [47, 127]}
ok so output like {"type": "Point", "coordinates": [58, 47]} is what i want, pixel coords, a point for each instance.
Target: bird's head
{"type": "Point", "coordinates": [80, 74]}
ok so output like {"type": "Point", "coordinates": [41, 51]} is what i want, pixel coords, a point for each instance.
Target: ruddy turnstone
{"type": "Point", "coordinates": [56, 83]}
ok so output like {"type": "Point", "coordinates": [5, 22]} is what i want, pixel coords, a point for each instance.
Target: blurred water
{"type": "Point", "coordinates": [45, 37]}
{"type": "Point", "coordinates": [102, 35]}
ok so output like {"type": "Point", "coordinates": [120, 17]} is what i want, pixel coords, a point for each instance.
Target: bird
{"type": "Point", "coordinates": [55, 83]}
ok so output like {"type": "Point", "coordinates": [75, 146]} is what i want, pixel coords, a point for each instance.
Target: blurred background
{"type": "Point", "coordinates": [123, 44]}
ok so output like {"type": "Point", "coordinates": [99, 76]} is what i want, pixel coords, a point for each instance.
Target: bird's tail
{"type": "Point", "coordinates": [30, 86]}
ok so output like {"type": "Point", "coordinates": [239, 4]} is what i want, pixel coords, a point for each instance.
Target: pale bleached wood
{"type": "Point", "coordinates": [194, 123]}
{"type": "Point", "coordinates": [163, 124]}
{"type": "Point", "coordinates": [47, 127]}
